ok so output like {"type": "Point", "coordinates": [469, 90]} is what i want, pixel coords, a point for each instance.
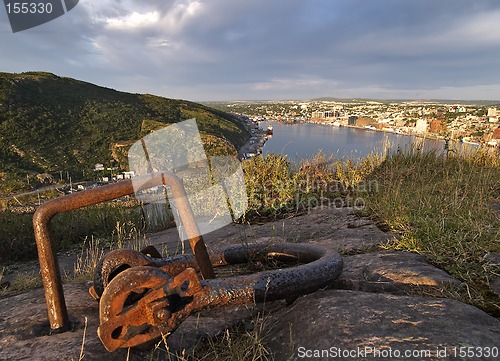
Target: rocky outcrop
{"type": "Point", "coordinates": [376, 305]}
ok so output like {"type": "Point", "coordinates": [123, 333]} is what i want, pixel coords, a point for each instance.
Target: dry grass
{"type": "Point", "coordinates": [125, 235]}
{"type": "Point", "coordinates": [92, 251]}
{"type": "Point", "coordinates": [117, 221]}
{"type": "Point", "coordinates": [276, 187]}
{"type": "Point", "coordinates": [245, 342]}
{"type": "Point", "coordinates": [236, 345]}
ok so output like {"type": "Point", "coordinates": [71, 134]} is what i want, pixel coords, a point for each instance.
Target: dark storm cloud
{"type": "Point", "coordinates": [260, 49]}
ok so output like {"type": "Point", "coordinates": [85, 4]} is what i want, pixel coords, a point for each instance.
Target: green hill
{"type": "Point", "coordinates": [51, 124]}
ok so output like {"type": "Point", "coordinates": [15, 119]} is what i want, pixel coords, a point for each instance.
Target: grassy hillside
{"type": "Point", "coordinates": [51, 124]}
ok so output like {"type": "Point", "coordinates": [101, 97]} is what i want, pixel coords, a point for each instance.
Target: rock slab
{"type": "Point", "coordinates": [393, 272]}
{"type": "Point", "coordinates": [321, 325]}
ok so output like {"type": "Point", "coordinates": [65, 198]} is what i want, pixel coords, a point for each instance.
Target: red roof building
{"type": "Point", "coordinates": [436, 126]}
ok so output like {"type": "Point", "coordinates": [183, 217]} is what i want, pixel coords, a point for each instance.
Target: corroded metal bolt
{"type": "Point", "coordinates": [163, 314]}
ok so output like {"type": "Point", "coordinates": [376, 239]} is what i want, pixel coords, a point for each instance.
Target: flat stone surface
{"type": "Point", "coordinates": [24, 328]}
{"type": "Point", "coordinates": [392, 272]}
{"type": "Point", "coordinates": [23, 316]}
{"type": "Point", "coordinates": [348, 320]}
{"type": "Point", "coordinates": [377, 317]}
{"type": "Point", "coordinates": [339, 228]}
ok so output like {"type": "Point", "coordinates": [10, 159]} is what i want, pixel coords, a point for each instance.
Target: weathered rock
{"type": "Point", "coordinates": [329, 321]}
{"type": "Point", "coordinates": [334, 318]}
{"type": "Point", "coordinates": [495, 285]}
{"type": "Point", "coordinates": [339, 228]}
{"type": "Point", "coordinates": [24, 329]}
{"type": "Point", "coordinates": [392, 272]}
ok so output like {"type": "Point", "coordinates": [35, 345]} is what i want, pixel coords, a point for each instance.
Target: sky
{"type": "Point", "coordinates": [208, 50]}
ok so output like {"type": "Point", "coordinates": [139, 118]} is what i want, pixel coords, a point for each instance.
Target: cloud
{"type": "Point", "coordinates": [134, 20]}
{"type": "Point", "coordinates": [293, 83]}
{"type": "Point", "coordinates": [180, 14]}
{"type": "Point", "coordinates": [216, 49]}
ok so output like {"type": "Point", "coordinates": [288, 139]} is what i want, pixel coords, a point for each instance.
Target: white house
{"type": "Point", "coordinates": [98, 167]}
{"type": "Point", "coordinates": [421, 126]}
{"type": "Point", "coordinates": [493, 114]}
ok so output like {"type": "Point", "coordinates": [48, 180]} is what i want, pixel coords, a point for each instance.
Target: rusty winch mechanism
{"type": "Point", "coordinates": [143, 297]}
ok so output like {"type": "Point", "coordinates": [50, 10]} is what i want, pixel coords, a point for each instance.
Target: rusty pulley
{"type": "Point", "coordinates": [143, 303]}
{"type": "Point", "coordinates": [145, 297]}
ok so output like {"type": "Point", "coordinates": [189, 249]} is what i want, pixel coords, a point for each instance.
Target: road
{"type": "Point", "coordinates": [40, 190]}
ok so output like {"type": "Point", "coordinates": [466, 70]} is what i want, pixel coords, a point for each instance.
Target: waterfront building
{"type": "Point", "coordinates": [325, 114]}
{"type": "Point", "coordinates": [436, 126]}
{"type": "Point", "coordinates": [421, 126]}
{"type": "Point", "coordinates": [317, 115]}
{"type": "Point", "coordinates": [496, 133]}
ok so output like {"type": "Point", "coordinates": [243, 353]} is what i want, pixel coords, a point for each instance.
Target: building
{"type": "Point", "coordinates": [317, 115]}
{"type": "Point", "coordinates": [436, 126]}
{"type": "Point", "coordinates": [98, 167]}
{"type": "Point", "coordinates": [325, 114]}
{"type": "Point", "coordinates": [496, 133]}
{"type": "Point", "coordinates": [365, 121]}
{"type": "Point", "coordinates": [352, 120]}
{"type": "Point", "coordinates": [421, 126]}
{"type": "Point", "coordinates": [493, 115]}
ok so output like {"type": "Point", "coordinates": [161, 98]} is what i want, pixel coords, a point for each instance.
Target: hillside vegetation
{"type": "Point", "coordinates": [51, 124]}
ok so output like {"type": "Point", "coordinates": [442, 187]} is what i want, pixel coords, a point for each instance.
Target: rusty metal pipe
{"type": "Point", "coordinates": [51, 275]}
{"type": "Point", "coordinates": [193, 233]}
{"type": "Point", "coordinates": [318, 267]}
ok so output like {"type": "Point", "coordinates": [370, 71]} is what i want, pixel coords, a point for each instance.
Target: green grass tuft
{"type": "Point", "coordinates": [444, 209]}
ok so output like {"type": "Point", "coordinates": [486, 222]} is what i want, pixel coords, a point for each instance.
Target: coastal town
{"type": "Point", "coordinates": [466, 122]}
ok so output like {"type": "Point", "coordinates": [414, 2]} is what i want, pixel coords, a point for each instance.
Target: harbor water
{"type": "Point", "coordinates": [301, 141]}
